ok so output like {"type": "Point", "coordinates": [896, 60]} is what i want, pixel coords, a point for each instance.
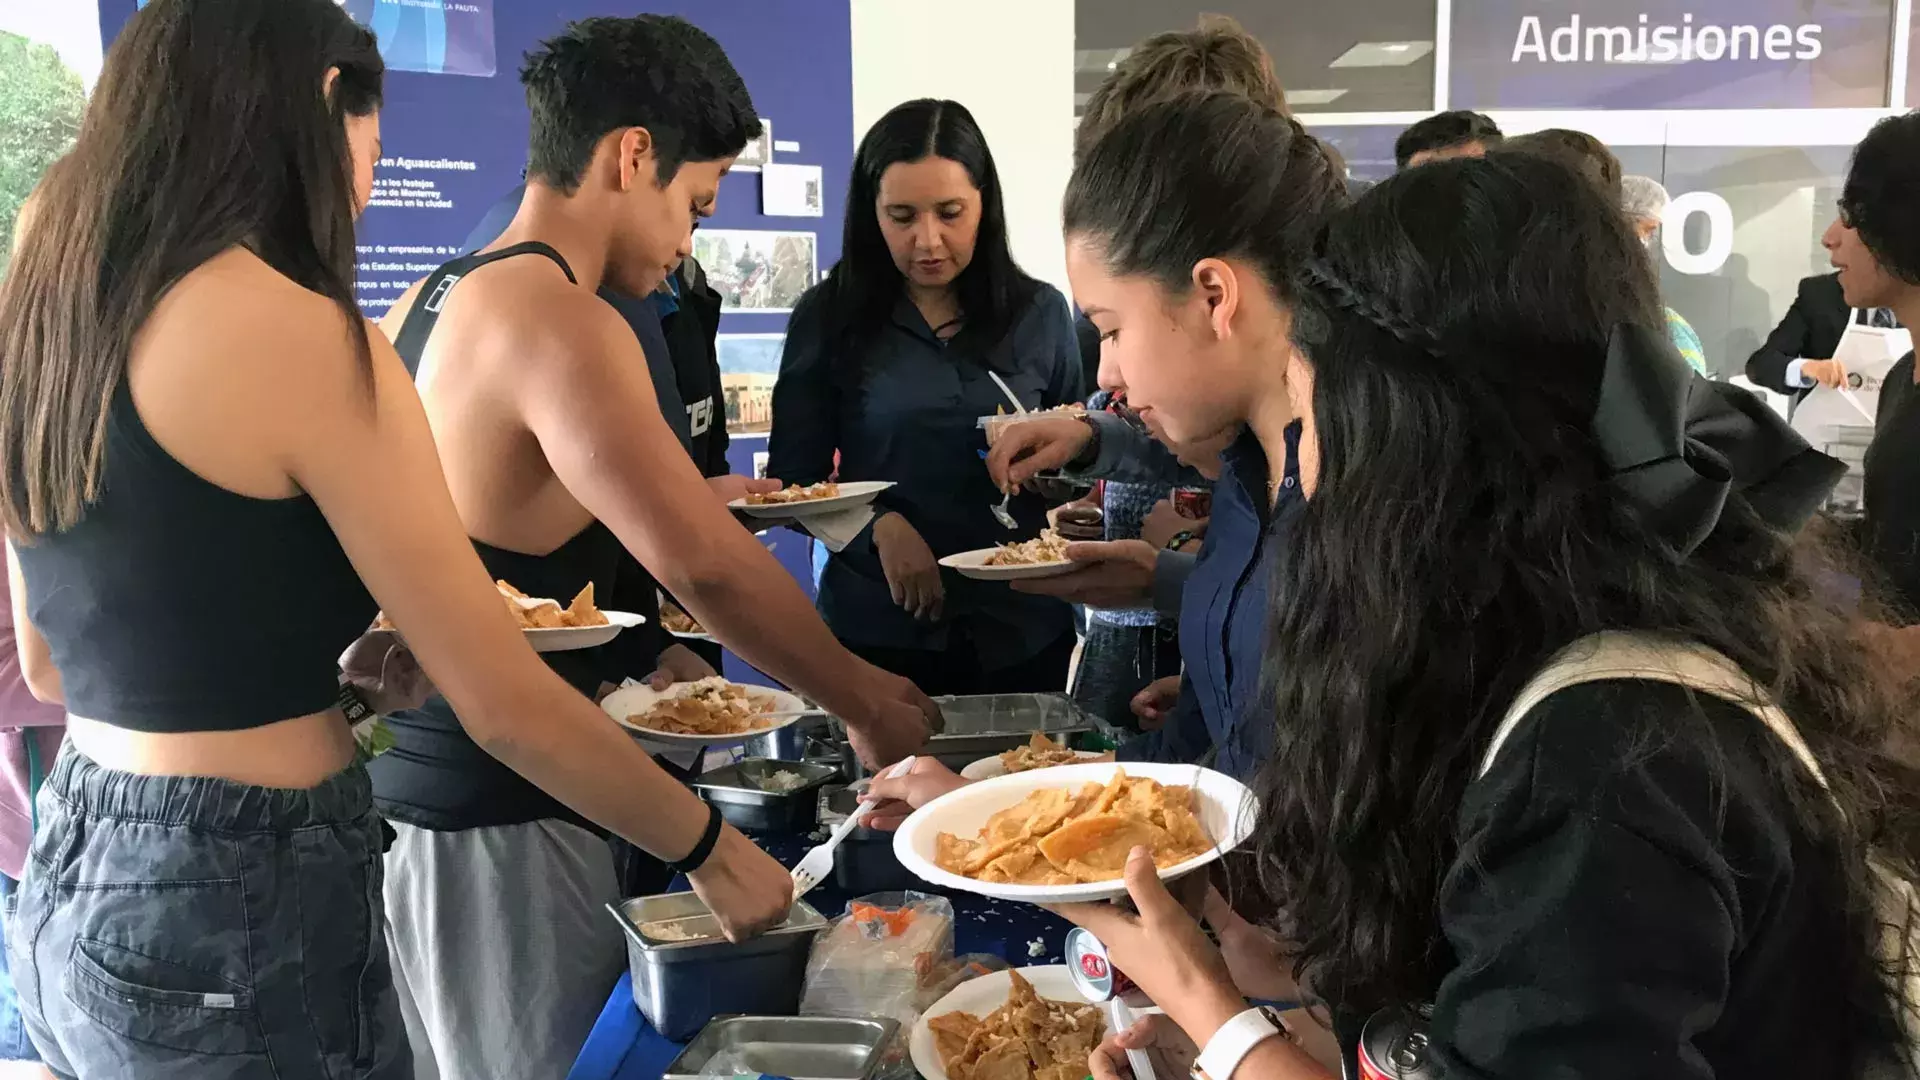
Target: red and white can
{"type": "Point", "coordinates": [1393, 1046]}
{"type": "Point", "coordinates": [1094, 975]}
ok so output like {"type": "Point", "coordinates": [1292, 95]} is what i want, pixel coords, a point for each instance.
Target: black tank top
{"type": "Point", "coordinates": [435, 777]}
{"type": "Point", "coordinates": [177, 605]}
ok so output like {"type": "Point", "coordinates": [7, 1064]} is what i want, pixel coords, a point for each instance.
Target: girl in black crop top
{"type": "Point", "coordinates": [204, 455]}
{"type": "Point", "coordinates": [1502, 455]}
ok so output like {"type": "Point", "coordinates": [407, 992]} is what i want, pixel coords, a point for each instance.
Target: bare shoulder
{"type": "Point", "coordinates": [543, 325]}
{"type": "Point", "coordinates": [243, 323]}
{"type": "Point", "coordinates": [396, 315]}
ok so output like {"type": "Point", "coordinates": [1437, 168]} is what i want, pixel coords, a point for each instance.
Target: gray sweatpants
{"type": "Point", "coordinates": [503, 951]}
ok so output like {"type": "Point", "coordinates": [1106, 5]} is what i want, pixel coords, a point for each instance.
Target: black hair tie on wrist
{"type": "Point", "coordinates": [703, 850]}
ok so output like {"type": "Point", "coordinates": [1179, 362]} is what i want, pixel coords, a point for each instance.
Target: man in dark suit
{"type": "Point", "coordinates": [1798, 354]}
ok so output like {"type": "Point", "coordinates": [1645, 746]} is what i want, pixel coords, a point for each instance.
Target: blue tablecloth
{"type": "Point", "coordinates": [622, 1046]}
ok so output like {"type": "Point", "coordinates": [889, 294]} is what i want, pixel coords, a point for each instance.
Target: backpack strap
{"type": "Point", "coordinates": [1620, 655]}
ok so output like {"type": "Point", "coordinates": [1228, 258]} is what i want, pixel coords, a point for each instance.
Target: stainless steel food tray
{"type": "Point", "coordinates": [738, 791]}
{"type": "Point", "coordinates": [797, 1047]}
{"type": "Point", "coordinates": [680, 985]}
{"type": "Point", "coordinates": [981, 725]}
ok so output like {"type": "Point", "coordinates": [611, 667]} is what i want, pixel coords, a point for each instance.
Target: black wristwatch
{"type": "Point", "coordinates": [354, 704]}
{"type": "Point", "coordinates": [703, 850]}
{"type": "Point", "coordinates": [1089, 453]}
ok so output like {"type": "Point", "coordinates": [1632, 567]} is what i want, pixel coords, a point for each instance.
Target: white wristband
{"type": "Point", "coordinates": [1234, 1041]}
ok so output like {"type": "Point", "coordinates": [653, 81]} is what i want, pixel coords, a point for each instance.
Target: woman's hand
{"type": "Point", "coordinates": [1035, 445]}
{"type": "Point", "coordinates": [1153, 705]}
{"type": "Point", "coordinates": [899, 796]}
{"type": "Point", "coordinates": [1112, 574]}
{"type": "Point", "coordinates": [1259, 961]}
{"type": "Point", "coordinates": [913, 575]}
{"type": "Point", "coordinates": [732, 488]}
{"type": "Point", "coordinates": [386, 674]}
{"type": "Point", "coordinates": [1168, 1047]}
{"type": "Point", "coordinates": [678, 664]}
{"type": "Point", "coordinates": [1163, 523]}
{"type": "Point", "coordinates": [1164, 951]}
{"type": "Point", "coordinates": [1827, 373]}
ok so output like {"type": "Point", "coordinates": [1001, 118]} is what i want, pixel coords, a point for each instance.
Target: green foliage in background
{"type": "Point", "coordinates": [41, 102]}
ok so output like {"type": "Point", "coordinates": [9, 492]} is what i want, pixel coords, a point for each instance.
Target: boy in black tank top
{"type": "Point", "coordinates": [557, 454]}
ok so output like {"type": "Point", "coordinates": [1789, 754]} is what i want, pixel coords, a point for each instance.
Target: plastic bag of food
{"type": "Point", "coordinates": [889, 954]}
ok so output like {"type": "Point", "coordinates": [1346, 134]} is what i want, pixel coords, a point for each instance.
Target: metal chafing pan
{"type": "Point", "coordinates": [740, 792]}
{"type": "Point", "coordinates": [680, 985]}
{"type": "Point", "coordinates": [982, 725]}
{"type": "Point", "coordinates": [798, 1047]}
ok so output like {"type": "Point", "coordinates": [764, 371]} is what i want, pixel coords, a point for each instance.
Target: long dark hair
{"type": "Point", "coordinates": [1269, 187]}
{"type": "Point", "coordinates": [859, 295]}
{"type": "Point", "coordinates": [1463, 530]}
{"type": "Point", "coordinates": [206, 131]}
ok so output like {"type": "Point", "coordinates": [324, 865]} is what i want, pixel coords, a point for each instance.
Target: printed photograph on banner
{"type": "Point", "coordinates": [791, 190]}
{"type": "Point", "coordinates": [749, 364]}
{"type": "Point", "coordinates": [438, 37]}
{"type": "Point", "coordinates": [758, 152]}
{"type": "Point", "coordinates": [49, 57]}
{"type": "Point", "coordinates": [763, 272]}
{"type": "Point", "coordinates": [1670, 54]}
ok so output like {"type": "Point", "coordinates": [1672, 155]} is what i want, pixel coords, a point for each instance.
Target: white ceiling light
{"type": "Point", "coordinates": [1383, 54]}
{"type": "Point", "coordinates": [1098, 61]}
{"type": "Point", "coordinates": [1314, 97]}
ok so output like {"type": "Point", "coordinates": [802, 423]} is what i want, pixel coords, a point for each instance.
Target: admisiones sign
{"type": "Point", "coordinates": [1665, 54]}
{"type": "Point", "coordinates": [1663, 43]}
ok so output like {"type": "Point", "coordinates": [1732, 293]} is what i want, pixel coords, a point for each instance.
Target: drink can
{"type": "Point", "coordinates": [1193, 502]}
{"type": "Point", "coordinates": [1093, 975]}
{"type": "Point", "coordinates": [1393, 1046]}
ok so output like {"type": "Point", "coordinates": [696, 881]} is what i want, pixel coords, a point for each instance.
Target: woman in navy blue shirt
{"type": "Point", "coordinates": [889, 363]}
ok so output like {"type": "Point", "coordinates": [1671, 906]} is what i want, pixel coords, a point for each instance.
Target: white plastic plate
{"type": "Point", "coordinates": [1225, 807]}
{"type": "Point", "coordinates": [852, 493]}
{"type": "Point", "coordinates": [973, 564]}
{"type": "Point", "coordinates": [568, 638]}
{"type": "Point", "coordinates": [631, 701]}
{"type": "Point", "coordinates": [981, 996]}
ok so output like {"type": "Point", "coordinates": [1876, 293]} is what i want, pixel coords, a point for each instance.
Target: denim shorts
{"type": "Point", "coordinates": [174, 927]}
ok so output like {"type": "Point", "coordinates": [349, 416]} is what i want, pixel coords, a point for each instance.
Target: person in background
{"type": "Point", "coordinates": [1578, 151]}
{"type": "Point", "coordinates": [1644, 881]}
{"type": "Point", "coordinates": [558, 455]}
{"type": "Point", "coordinates": [30, 734]}
{"type": "Point", "coordinates": [1644, 200]}
{"type": "Point", "coordinates": [1459, 133]}
{"type": "Point", "coordinates": [1125, 649]}
{"type": "Point", "coordinates": [1874, 243]}
{"type": "Point", "coordinates": [1229, 391]}
{"type": "Point", "coordinates": [889, 363]}
{"type": "Point", "coordinates": [1798, 355]}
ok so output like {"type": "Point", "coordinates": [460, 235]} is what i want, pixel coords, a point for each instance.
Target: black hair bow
{"type": "Point", "coordinates": [1678, 445]}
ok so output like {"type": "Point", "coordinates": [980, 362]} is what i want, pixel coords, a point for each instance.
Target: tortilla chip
{"type": "Point", "coordinates": [582, 612]}
{"type": "Point", "coordinates": [951, 1033]}
{"type": "Point", "coordinates": [952, 854]}
{"type": "Point", "coordinates": [1100, 844]}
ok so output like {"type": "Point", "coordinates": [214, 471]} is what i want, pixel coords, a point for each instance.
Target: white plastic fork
{"type": "Point", "coordinates": [1000, 513]}
{"type": "Point", "coordinates": [818, 863]}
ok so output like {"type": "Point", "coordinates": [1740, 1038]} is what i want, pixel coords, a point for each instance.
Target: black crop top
{"type": "Point", "coordinates": [435, 776]}
{"type": "Point", "coordinates": [177, 605]}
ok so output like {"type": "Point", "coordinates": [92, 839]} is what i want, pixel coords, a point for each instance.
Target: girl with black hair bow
{"type": "Point", "coordinates": [1508, 470]}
